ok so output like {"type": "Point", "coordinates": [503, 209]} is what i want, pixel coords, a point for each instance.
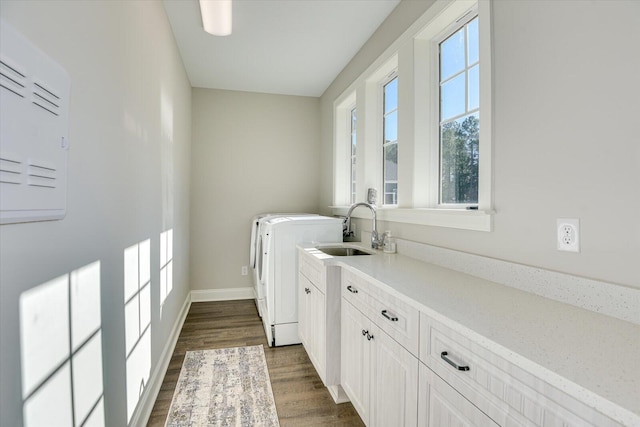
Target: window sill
{"type": "Point", "coordinates": [477, 220]}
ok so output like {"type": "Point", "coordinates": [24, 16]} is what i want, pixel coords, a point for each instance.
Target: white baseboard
{"type": "Point", "coordinates": [148, 399]}
{"type": "Point", "coordinates": [227, 294]}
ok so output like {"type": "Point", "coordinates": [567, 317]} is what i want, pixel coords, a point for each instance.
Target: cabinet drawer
{"type": "Point", "coordinates": [440, 405]}
{"type": "Point", "coordinates": [313, 271]}
{"type": "Point", "coordinates": [508, 394]}
{"type": "Point", "coordinates": [395, 317]}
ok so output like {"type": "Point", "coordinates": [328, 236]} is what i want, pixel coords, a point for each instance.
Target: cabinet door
{"type": "Point", "coordinates": [394, 387]}
{"type": "Point", "coordinates": [303, 310]}
{"type": "Point", "coordinates": [355, 358]}
{"type": "Point", "coordinates": [316, 330]}
{"type": "Point", "coordinates": [440, 405]}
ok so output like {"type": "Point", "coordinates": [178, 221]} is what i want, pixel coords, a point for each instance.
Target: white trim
{"type": "Point", "coordinates": [342, 148]}
{"type": "Point", "coordinates": [476, 220]}
{"type": "Point", "coordinates": [148, 399]}
{"type": "Point", "coordinates": [227, 294]}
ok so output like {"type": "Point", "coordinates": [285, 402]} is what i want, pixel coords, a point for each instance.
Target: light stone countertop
{"type": "Point", "coordinates": [590, 356]}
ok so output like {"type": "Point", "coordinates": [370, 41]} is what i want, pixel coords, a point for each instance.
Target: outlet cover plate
{"type": "Point", "coordinates": [568, 234]}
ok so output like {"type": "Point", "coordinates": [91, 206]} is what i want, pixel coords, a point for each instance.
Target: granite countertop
{"type": "Point", "coordinates": [588, 355]}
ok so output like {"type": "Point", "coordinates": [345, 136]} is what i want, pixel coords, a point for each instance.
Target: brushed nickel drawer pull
{"type": "Point", "coordinates": [352, 289]}
{"type": "Point", "coordinates": [393, 318]}
{"type": "Point", "coordinates": [452, 363]}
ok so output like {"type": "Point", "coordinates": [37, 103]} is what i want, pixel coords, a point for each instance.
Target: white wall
{"type": "Point", "coordinates": [251, 153]}
{"type": "Point", "coordinates": [565, 136]}
{"type": "Point", "coordinates": [128, 178]}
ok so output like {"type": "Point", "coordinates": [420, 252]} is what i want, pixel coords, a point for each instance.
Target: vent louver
{"type": "Point", "coordinates": [10, 170]}
{"type": "Point", "coordinates": [45, 98]}
{"type": "Point", "coordinates": [41, 175]}
{"type": "Point", "coordinates": [12, 79]}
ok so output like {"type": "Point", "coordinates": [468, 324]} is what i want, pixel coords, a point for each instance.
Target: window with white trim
{"type": "Point", "coordinates": [459, 127]}
{"type": "Point", "coordinates": [390, 141]}
{"type": "Point", "coordinates": [443, 174]}
{"type": "Point", "coordinates": [353, 155]}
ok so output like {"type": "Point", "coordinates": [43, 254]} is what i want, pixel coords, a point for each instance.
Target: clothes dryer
{"type": "Point", "coordinates": [278, 273]}
{"type": "Point", "coordinates": [255, 257]}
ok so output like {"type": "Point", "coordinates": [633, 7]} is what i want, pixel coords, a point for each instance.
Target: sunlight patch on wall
{"type": "Point", "coordinates": [166, 265]}
{"type": "Point", "coordinates": [61, 351]}
{"type": "Point", "coordinates": [137, 313]}
{"type": "Point", "coordinates": [166, 126]}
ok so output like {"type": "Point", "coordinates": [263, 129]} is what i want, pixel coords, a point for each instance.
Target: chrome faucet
{"type": "Point", "coordinates": [375, 241]}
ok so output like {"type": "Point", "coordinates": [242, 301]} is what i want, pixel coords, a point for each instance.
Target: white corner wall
{"type": "Point", "coordinates": [565, 145]}
{"type": "Point", "coordinates": [252, 153]}
{"type": "Point", "coordinates": [130, 133]}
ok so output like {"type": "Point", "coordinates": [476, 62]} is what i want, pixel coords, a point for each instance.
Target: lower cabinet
{"type": "Point", "coordinates": [440, 405]}
{"type": "Point", "coordinates": [378, 374]}
{"type": "Point", "coordinates": [312, 323]}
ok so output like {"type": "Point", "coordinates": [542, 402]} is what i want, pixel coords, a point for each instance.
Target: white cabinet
{"type": "Point", "coordinates": [505, 392]}
{"type": "Point", "coordinates": [441, 406]}
{"type": "Point", "coordinates": [356, 364]}
{"type": "Point", "coordinates": [319, 319]}
{"type": "Point", "coordinates": [394, 383]}
{"type": "Point", "coordinates": [312, 323]}
{"type": "Point", "coordinates": [378, 374]}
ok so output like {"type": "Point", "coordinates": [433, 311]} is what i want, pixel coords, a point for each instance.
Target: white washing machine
{"type": "Point", "coordinates": [278, 272]}
{"type": "Point", "coordinates": [255, 251]}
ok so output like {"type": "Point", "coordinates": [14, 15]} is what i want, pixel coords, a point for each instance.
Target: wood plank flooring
{"type": "Point", "coordinates": [301, 398]}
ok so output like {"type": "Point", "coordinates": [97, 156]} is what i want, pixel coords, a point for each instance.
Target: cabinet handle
{"type": "Point", "coordinates": [352, 290]}
{"type": "Point", "coordinates": [307, 290]}
{"type": "Point", "coordinates": [366, 333]}
{"type": "Point", "coordinates": [452, 363]}
{"type": "Point", "coordinates": [391, 317]}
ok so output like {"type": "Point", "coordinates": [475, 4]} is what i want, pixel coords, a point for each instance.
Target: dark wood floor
{"type": "Point", "coordinates": [301, 399]}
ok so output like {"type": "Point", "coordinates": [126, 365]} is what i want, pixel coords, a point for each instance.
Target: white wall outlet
{"type": "Point", "coordinates": [568, 234]}
{"type": "Point", "coordinates": [245, 270]}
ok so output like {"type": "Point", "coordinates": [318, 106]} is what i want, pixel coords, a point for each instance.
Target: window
{"type": "Point", "coordinates": [459, 88]}
{"type": "Point", "coordinates": [390, 142]}
{"type": "Point", "coordinates": [446, 155]}
{"type": "Point", "coordinates": [353, 155]}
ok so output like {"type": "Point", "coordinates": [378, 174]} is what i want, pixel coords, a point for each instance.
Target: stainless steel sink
{"type": "Point", "coordinates": [342, 251]}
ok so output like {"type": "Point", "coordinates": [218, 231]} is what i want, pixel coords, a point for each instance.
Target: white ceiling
{"type": "Point", "coordinates": [292, 47]}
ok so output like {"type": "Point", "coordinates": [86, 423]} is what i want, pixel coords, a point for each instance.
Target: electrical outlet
{"type": "Point", "coordinates": [568, 234]}
{"type": "Point", "coordinates": [245, 270]}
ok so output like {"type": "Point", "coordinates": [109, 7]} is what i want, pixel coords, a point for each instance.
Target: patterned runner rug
{"type": "Point", "coordinates": [223, 387]}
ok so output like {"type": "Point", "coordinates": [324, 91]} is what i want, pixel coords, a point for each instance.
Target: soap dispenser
{"type": "Point", "coordinates": [389, 246]}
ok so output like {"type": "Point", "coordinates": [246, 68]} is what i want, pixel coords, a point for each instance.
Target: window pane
{"type": "Point", "coordinates": [452, 98]}
{"type": "Point", "coordinates": [391, 193]}
{"type": "Point", "coordinates": [391, 127]}
{"type": "Point", "coordinates": [459, 160]}
{"type": "Point", "coordinates": [472, 41]}
{"type": "Point", "coordinates": [452, 55]}
{"type": "Point", "coordinates": [474, 88]}
{"type": "Point", "coordinates": [353, 155]}
{"type": "Point", "coordinates": [391, 95]}
{"type": "Point", "coordinates": [353, 132]}
{"type": "Point", "coordinates": [391, 162]}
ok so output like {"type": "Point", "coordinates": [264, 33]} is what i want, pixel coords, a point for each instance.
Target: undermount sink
{"type": "Point", "coordinates": [342, 251]}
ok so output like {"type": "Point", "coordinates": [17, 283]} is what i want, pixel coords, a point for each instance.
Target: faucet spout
{"type": "Point", "coordinates": [375, 241]}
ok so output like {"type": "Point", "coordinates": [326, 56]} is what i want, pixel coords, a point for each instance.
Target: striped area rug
{"type": "Point", "coordinates": [223, 387]}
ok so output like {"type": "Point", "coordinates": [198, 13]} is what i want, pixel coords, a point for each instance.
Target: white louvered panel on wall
{"type": "Point", "coordinates": [34, 105]}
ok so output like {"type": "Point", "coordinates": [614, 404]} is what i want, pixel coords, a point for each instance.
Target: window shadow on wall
{"type": "Point", "coordinates": [61, 351]}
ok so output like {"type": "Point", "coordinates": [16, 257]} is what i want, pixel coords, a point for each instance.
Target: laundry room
{"type": "Point", "coordinates": [456, 181]}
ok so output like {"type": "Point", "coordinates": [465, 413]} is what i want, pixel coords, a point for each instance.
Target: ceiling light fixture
{"type": "Point", "coordinates": [216, 16]}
